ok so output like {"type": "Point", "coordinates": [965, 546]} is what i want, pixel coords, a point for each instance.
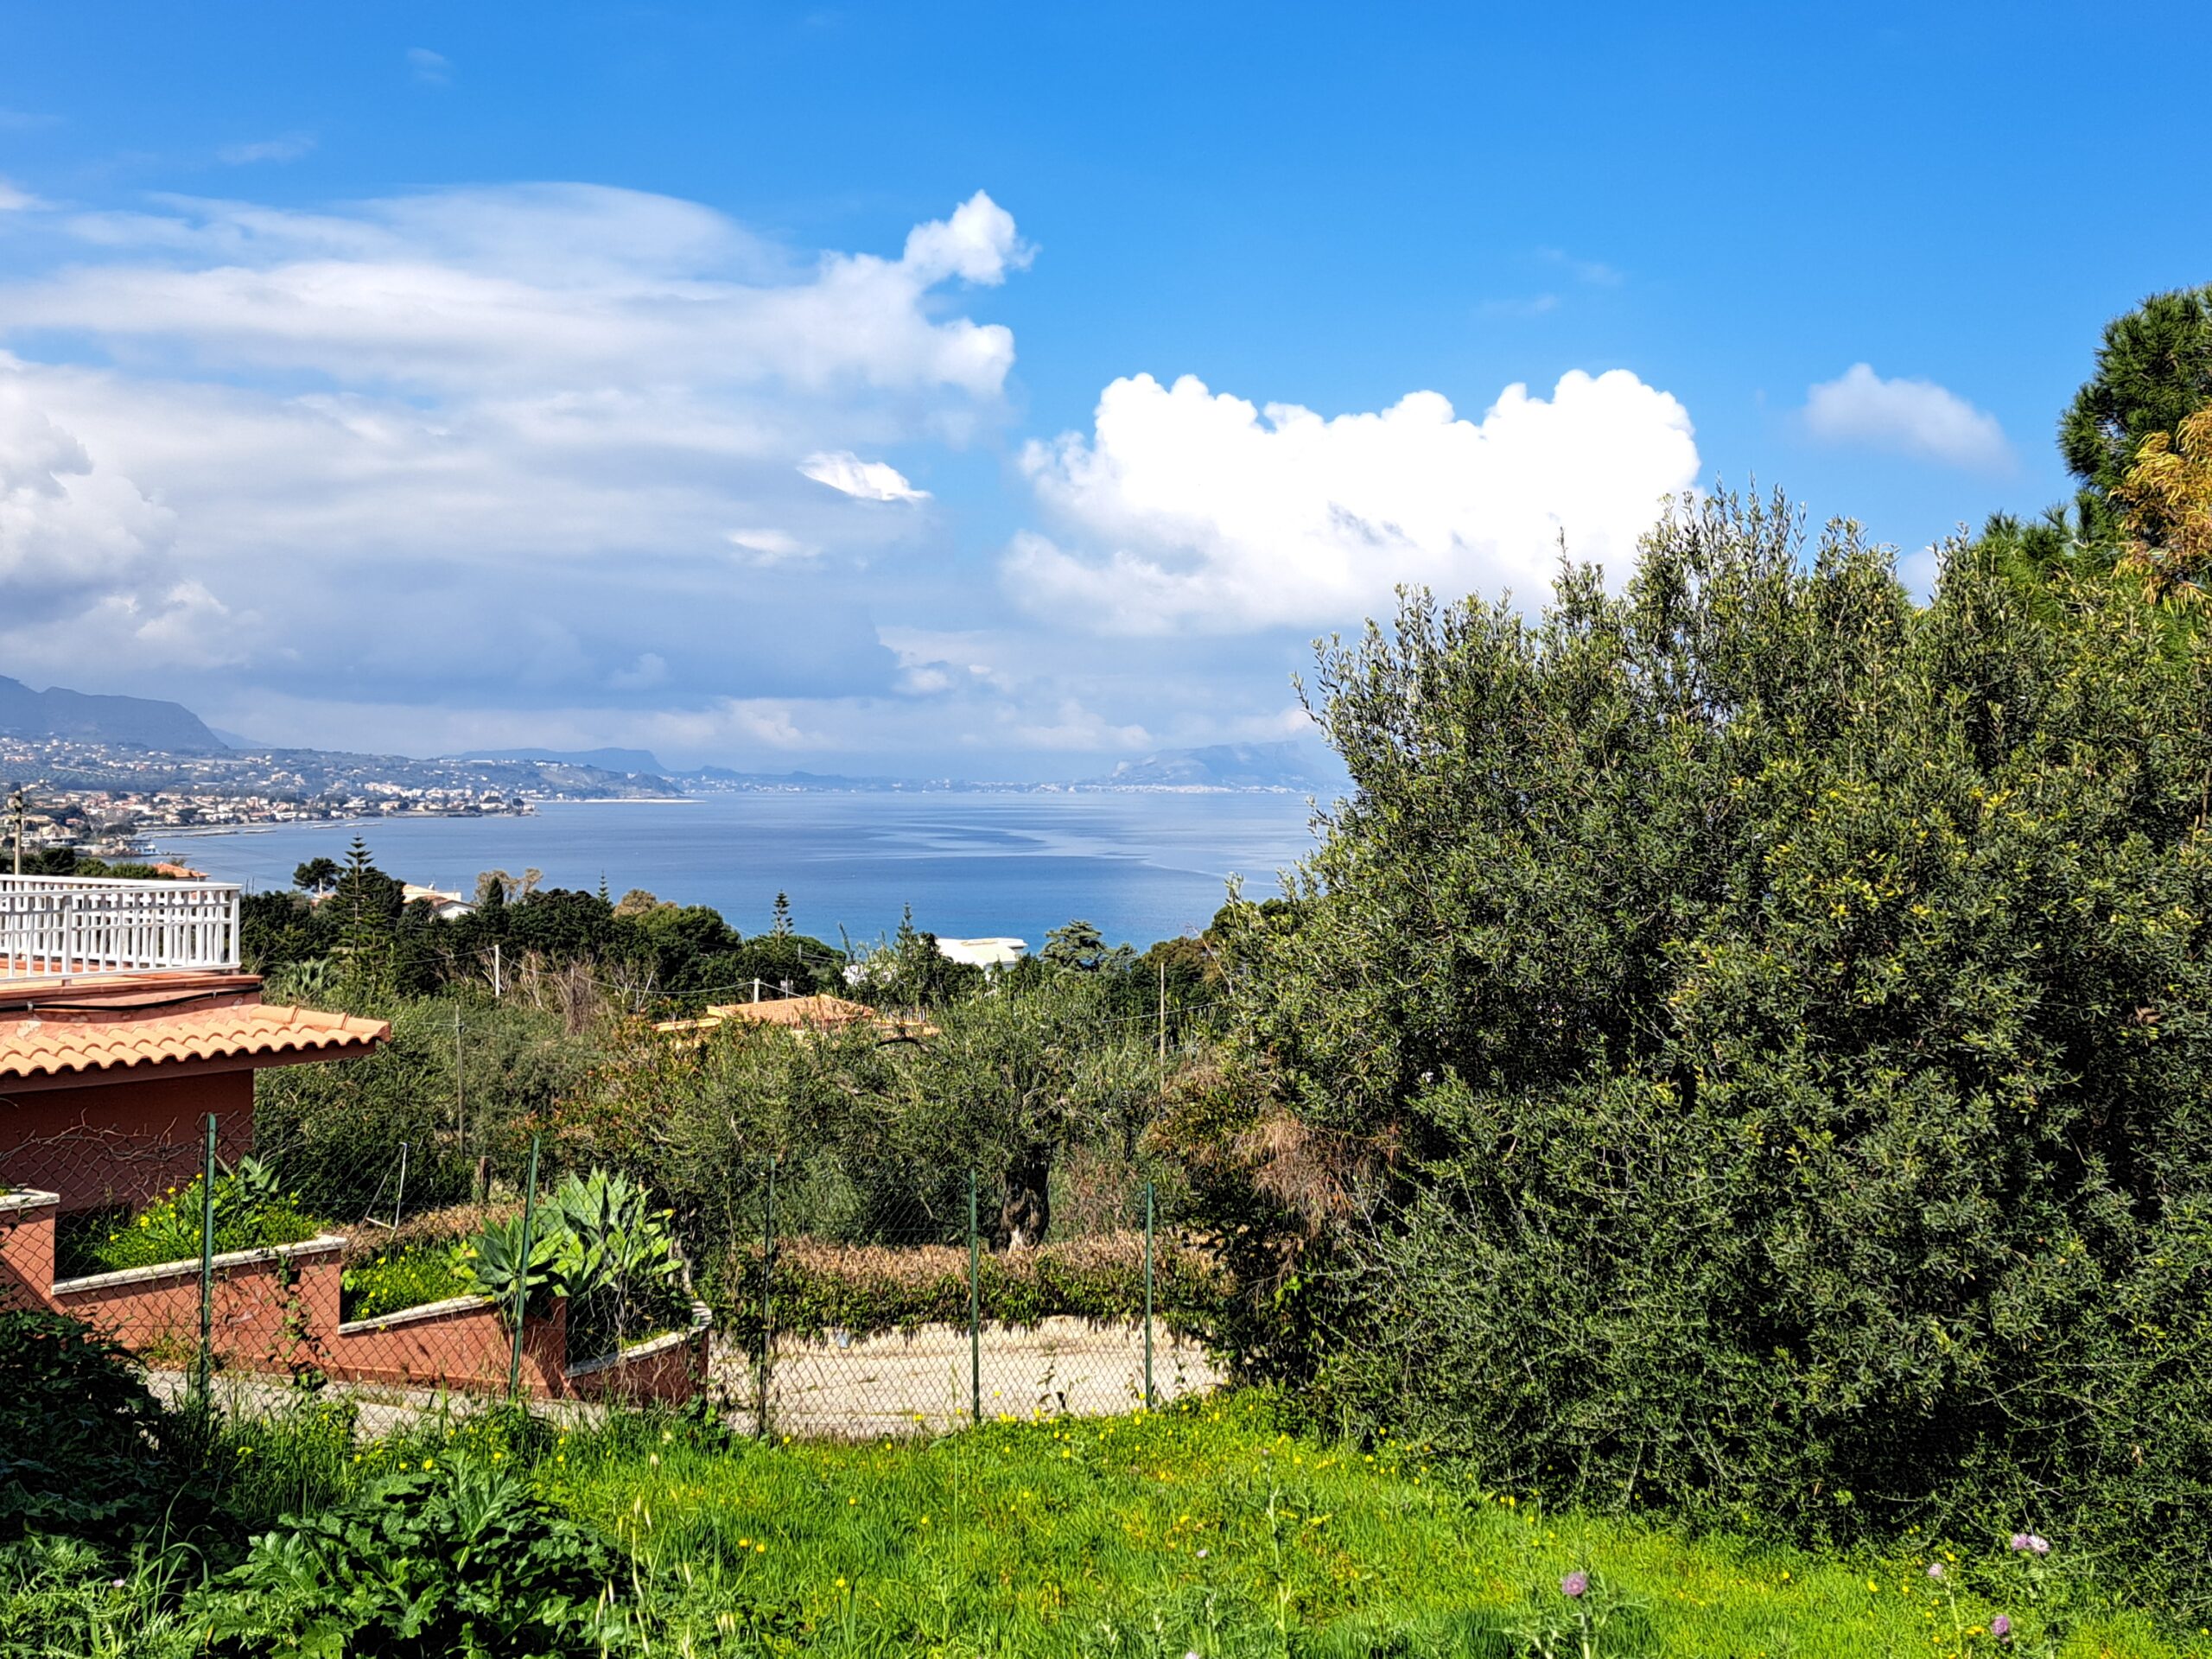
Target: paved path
{"type": "Point", "coordinates": [903, 1384]}
{"type": "Point", "coordinates": [831, 1390]}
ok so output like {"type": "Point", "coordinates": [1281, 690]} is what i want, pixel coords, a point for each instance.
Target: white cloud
{"type": "Point", "coordinates": [289, 147]}
{"type": "Point", "coordinates": [1072, 726]}
{"type": "Point", "coordinates": [1192, 511]}
{"type": "Point", "coordinates": [1535, 305]}
{"type": "Point", "coordinates": [14, 200]}
{"type": "Point", "coordinates": [1911, 417]}
{"type": "Point", "coordinates": [72, 531]}
{"type": "Point", "coordinates": [1595, 272]}
{"type": "Point", "coordinates": [476, 291]}
{"type": "Point", "coordinates": [868, 481]}
{"type": "Point", "coordinates": [977, 243]}
{"type": "Point", "coordinates": [429, 67]}
{"type": "Point", "coordinates": [548, 404]}
{"type": "Point", "coordinates": [772, 546]}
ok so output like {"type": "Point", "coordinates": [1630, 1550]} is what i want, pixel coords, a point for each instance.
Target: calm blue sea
{"type": "Point", "coordinates": [1142, 866]}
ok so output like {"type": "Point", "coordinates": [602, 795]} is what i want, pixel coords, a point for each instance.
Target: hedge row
{"type": "Point", "coordinates": [868, 1290]}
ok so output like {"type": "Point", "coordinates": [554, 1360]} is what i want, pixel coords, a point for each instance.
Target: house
{"type": "Point", "coordinates": [124, 1023]}
{"type": "Point", "coordinates": [127, 1030]}
{"type": "Point", "coordinates": [984, 953]}
{"type": "Point", "coordinates": [446, 906]}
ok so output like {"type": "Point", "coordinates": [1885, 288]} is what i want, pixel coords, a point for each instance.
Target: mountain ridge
{"type": "Point", "coordinates": [136, 722]}
{"type": "Point", "coordinates": [1289, 764]}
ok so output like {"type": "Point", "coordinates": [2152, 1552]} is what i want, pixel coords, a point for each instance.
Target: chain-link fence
{"type": "Point", "coordinates": [247, 1257]}
{"type": "Point", "coordinates": [939, 1318]}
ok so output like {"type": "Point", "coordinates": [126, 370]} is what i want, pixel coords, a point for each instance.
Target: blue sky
{"type": "Point", "coordinates": [420, 377]}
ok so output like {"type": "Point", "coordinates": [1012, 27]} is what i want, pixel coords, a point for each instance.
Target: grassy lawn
{"type": "Point", "coordinates": [1202, 1530]}
{"type": "Point", "coordinates": [1207, 1530]}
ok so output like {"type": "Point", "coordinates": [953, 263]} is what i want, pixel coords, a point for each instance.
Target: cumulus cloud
{"type": "Point", "coordinates": [1188, 509]}
{"type": "Point", "coordinates": [868, 481]}
{"type": "Point", "coordinates": [977, 243]}
{"type": "Point", "coordinates": [72, 531]}
{"type": "Point", "coordinates": [1905, 417]}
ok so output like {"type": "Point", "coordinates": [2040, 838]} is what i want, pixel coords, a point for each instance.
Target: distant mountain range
{"type": "Point", "coordinates": [1289, 765]}
{"type": "Point", "coordinates": [135, 723]}
{"type": "Point", "coordinates": [1296, 764]}
{"type": "Point", "coordinates": [638, 760]}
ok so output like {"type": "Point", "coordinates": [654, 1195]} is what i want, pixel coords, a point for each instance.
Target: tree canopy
{"type": "Point", "coordinates": [2153, 371]}
{"type": "Point", "coordinates": [1743, 1042]}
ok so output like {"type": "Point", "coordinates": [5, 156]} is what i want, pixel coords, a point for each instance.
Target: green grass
{"type": "Point", "coordinates": [1205, 1529]}
{"type": "Point", "coordinates": [411, 1278]}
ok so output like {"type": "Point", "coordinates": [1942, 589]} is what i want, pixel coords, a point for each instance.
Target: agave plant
{"type": "Point", "coordinates": [617, 1259]}
{"type": "Point", "coordinates": [494, 1262]}
{"type": "Point", "coordinates": [594, 1240]}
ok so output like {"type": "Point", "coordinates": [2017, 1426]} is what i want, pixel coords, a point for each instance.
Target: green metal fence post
{"type": "Point", "coordinates": [205, 1358]}
{"type": "Point", "coordinates": [763, 1416]}
{"type": "Point", "coordinates": [1148, 1296]}
{"type": "Point", "coordinates": [975, 1308]}
{"type": "Point", "coordinates": [522, 1272]}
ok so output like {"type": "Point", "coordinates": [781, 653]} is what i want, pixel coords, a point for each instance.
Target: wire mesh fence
{"type": "Point", "coordinates": [247, 1258]}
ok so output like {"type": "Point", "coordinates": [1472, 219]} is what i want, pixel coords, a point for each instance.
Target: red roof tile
{"type": "Point", "coordinates": [35, 1047]}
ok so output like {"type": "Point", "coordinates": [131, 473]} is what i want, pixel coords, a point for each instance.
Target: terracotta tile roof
{"type": "Point", "coordinates": [33, 1047]}
{"type": "Point", "coordinates": [796, 1011]}
{"type": "Point", "coordinates": [802, 1014]}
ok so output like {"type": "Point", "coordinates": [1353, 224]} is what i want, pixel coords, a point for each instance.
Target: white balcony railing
{"type": "Point", "coordinates": [58, 926]}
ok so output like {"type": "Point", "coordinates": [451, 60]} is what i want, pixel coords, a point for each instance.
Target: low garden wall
{"type": "Point", "coordinates": [276, 1309]}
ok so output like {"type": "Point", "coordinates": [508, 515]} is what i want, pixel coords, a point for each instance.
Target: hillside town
{"type": "Point", "coordinates": [100, 796]}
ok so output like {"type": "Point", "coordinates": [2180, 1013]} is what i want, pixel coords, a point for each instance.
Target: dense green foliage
{"type": "Point", "coordinates": [461, 1562]}
{"type": "Point", "coordinates": [2153, 369]}
{"type": "Point", "coordinates": [352, 925]}
{"type": "Point", "coordinates": [1744, 1045]}
{"type": "Point", "coordinates": [460, 1084]}
{"type": "Point", "coordinates": [251, 1213]}
{"type": "Point", "coordinates": [1037, 1086]}
{"type": "Point", "coordinates": [86, 1451]}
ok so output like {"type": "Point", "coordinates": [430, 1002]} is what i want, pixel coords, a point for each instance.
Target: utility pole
{"type": "Point", "coordinates": [1163, 1011]}
{"type": "Point", "coordinates": [19, 804]}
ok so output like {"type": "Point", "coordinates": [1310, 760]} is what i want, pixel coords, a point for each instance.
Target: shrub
{"type": "Point", "coordinates": [594, 1241]}
{"type": "Point", "coordinates": [869, 1289]}
{"type": "Point", "coordinates": [455, 1558]}
{"type": "Point", "coordinates": [1743, 1046]}
{"type": "Point", "coordinates": [251, 1214]}
{"type": "Point", "coordinates": [85, 1450]}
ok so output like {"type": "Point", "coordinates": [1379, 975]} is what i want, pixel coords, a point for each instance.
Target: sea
{"type": "Point", "coordinates": [1142, 865]}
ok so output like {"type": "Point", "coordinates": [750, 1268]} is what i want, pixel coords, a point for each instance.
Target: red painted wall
{"type": "Point", "coordinates": [122, 1142]}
